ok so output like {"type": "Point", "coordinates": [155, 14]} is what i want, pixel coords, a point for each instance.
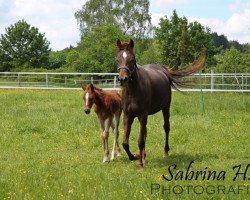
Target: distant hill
{"type": "Point", "coordinates": [221, 40]}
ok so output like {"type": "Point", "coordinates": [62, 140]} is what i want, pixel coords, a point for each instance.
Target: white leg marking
{"type": "Point", "coordinates": [114, 145]}
{"type": "Point", "coordinates": [112, 155]}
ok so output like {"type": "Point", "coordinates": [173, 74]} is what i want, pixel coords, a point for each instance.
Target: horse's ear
{"type": "Point", "coordinates": [131, 43]}
{"type": "Point", "coordinates": [83, 87]}
{"type": "Point", "coordinates": [92, 87]}
{"type": "Point", "coordinates": [118, 43]}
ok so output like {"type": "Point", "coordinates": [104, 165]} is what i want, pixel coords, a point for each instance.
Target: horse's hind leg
{"type": "Point", "coordinates": [115, 127]}
{"type": "Point", "coordinates": [166, 115]}
{"type": "Point", "coordinates": [142, 140]}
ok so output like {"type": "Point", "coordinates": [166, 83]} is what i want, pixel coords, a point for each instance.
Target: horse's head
{"type": "Point", "coordinates": [88, 97]}
{"type": "Point", "coordinates": [126, 60]}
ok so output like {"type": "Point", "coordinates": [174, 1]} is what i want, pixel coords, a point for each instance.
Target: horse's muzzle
{"type": "Point", "coordinates": [87, 110]}
{"type": "Point", "coordinates": [123, 81]}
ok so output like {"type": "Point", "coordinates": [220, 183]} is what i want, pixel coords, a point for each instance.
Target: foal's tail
{"type": "Point", "coordinates": [186, 71]}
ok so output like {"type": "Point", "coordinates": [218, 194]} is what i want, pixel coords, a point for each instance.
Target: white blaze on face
{"type": "Point", "coordinates": [124, 55]}
{"type": "Point", "coordinates": [87, 98]}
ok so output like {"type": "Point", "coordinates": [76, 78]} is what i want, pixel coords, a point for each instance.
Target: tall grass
{"type": "Point", "coordinates": [49, 149]}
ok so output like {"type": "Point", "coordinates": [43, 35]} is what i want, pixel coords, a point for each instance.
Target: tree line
{"type": "Point", "coordinates": [175, 42]}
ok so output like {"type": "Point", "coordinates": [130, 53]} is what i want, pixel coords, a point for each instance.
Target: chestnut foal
{"type": "Point", "coordinates": [107, 106]}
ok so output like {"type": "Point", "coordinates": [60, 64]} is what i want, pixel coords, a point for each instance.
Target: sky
{"type": "Point", "coordinates": [56, 18]}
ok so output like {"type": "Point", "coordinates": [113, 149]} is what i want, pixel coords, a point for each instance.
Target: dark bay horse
{"type": "Point", "coordinates": [145, 91]}
{"type": "Point", "coordinates": [107, 106]}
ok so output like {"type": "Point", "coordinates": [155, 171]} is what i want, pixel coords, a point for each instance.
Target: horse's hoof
{"type": "Point", "coordinates": [119, 154]}
{"type": "Point", "coordinates": [140, 166]}
{"type": "Point", "coordinates": [133, 157]}
{"type": "Point", "coordinates": [136, 156]}
{"type": "Point", "coordinates": [105, 159]}
{"type": "Point", "coordinates": [165, 156]}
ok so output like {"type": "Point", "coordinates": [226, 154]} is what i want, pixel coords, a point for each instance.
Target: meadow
{"type": "Point", "coordinates": [50, 149]}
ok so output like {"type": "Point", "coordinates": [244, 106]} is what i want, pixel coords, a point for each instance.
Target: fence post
{"type": "Point", "coordinates": [242, 81]}
{"type": "Point", "coordinates": [212, 80]}
{"type": "Point", "coordinates": [114, 82]}
{"type": "Point", "coordinates": [222, 81]}
{"type": "Point", "coordinates": [18, 79]}
{"type": "Point", "coordinates": [246, 82]}
{"type": "Point", "coordinates": [202, 98]}
{"type": "Point", "coordinates": [92, 80]}
{"type": "Point", "coordinates": [65, 81]}
{"type": "Point", "coordinates": [47, 80]}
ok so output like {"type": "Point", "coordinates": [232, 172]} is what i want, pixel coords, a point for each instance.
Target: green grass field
{"type": "Point", "coordinates": [49, 149]}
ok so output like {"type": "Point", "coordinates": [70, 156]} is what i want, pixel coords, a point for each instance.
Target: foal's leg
{"type": "Point", "coordinates": [113, 150]}
{"type": "Point", "coordinates": [102, 126]}
{"type": "Point", "coordinates": [105, 136]}
{"type": "Point", "coordinates": [127, 121]}
{"type": "Point", "coordinates": [166, 115]}
{"type": "Point", "coordinates": [115, 127]}
{"type": "Point", "coordinates": [142, 140]}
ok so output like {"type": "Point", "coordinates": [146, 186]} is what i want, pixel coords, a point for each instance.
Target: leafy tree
{"type": "Point", "coordinates": [181, 41]}
{"type": "Point", "coordinates": [233, 62]}
{"type": "Point", "coordinates": [131, 16]}
{"type": "Point", "coordinates": [57, 59]}
{"type": "Point", "coordinates": [96, 51]}
{"type": "Point", "coordinates": [237, 45]}
{"type": "Point", "coordinates": [171, 36]}
{"type": "Point", "coordinates": [23, 47]}
{"type": "Point", "coordinates": [220, 41]}
{"type": "Point", "coordinates": [152, 54]}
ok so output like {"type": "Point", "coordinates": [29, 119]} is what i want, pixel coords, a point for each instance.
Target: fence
{"type": "Point", "coordinates": [46, 80]}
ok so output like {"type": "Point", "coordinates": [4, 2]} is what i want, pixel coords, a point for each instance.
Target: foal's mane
{"type": "Point", "coordinates": [98, 89]}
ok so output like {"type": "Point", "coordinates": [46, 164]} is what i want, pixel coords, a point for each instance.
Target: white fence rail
{"type": "Point", "coordinates": [210, 82]}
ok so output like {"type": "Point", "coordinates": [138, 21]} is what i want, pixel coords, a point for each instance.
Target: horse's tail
{"type": "Point", "coordinates": [190, 69]}
{"type": "Point", "coordinates": [197, 65]}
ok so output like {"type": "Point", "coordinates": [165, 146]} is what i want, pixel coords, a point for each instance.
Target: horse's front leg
{"type": "Point", "coordinates": [102, 127]}
{"type": "Point", "coordinates": [105, 135]}
{"type": "Point", "coordinates": [127, 122]}
{"type": "Point", "coordinates": [142, 140]}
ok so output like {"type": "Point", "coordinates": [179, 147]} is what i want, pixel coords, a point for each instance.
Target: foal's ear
{"type": "Point", "coordinates": [118, 43]}
{"type": "Point", "coordinates": [83, 87]}
{"type": "Point", "coordinates": [131, 43]}
{"type": "Point", "coordinates": [92, 87]}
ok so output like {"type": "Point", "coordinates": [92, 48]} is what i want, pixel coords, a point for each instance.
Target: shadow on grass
{"type": "Point", "coordinates": [181, 160]}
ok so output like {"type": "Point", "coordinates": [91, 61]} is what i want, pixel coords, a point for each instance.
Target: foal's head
{"type": "Point", "coordinates": [88, 97]}
{"type": "Point", "coordinates": [126, 60]}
